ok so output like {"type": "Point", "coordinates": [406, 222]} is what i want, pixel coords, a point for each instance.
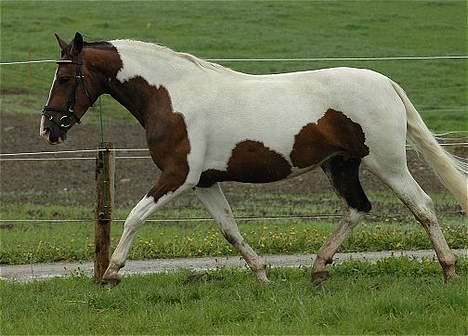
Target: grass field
{"type": "Point", "coordinates": [230, 29]}
{"type": "Point", "coordinates": [390, 297]}
{"type": "Point", "coordinates": [62, 241]}
{"type": "Point", "coordinates": [253, 29]}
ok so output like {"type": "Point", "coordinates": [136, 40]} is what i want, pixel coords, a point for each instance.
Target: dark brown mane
{"type": "Point", "coordinates": [97, 44]}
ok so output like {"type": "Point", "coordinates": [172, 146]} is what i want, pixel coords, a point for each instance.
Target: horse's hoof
{"type": "Point", "coordinates": [319, 277]}
{"type": "Point", "coordinates": [110, 281]}
{"type": "Point", "coordinates": [262, 278]}
{"type": "Point", "coordinates": [263, 281]}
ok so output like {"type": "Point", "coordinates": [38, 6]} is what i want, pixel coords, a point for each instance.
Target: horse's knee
{"type": "Point", "coordinates": [133, 221]}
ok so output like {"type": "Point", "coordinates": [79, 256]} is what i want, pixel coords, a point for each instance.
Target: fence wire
{"type": "Point", "coordinates": [4, 157]}
{"type": "Point", "coordinates": [171, 220]}
{"type": "Point", "coordinates": [14, 155]}
{"type": "Point", "coordinates": [296, 59]}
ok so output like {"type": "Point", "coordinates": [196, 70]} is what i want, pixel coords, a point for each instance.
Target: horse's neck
{"type": "Point", "coordinates": [143, 72]}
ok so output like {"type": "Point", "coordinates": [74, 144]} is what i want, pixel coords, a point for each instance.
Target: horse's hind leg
{"type": "Point", "coordinates": [216, 203]}
{"type": "Point", "coordinates": [420, 204]}
{"type": "Point", "coordinates": [344, 175]}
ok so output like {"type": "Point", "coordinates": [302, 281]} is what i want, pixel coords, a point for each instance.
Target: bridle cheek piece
{"type": "Point", "coordinates": [65, 118]}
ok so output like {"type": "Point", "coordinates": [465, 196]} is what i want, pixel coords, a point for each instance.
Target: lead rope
{"type": "Point", "coordinates": [101, 127]}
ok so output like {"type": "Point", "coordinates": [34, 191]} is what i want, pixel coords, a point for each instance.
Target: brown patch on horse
{"type": "Point", "coordinates": [250, 162]}
{"type": "Point", "coordinates": [211, 176]}
{"type": "Point", "coordinates": [166, 130]}
{"type": "Point", "coordinates": [101, 63]}
{"type": "Point", "coordinates": [343, 174]}
{"type": "Point", "coordinates": [103, 57]}
{"type": "Point", "coordinates": [333, 133]}
{"type": "Point", "coordinates": [166, 134]}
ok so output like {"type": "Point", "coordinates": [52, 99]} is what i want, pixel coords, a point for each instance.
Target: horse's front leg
{"type": "Point", "coordinates": [166, 188]}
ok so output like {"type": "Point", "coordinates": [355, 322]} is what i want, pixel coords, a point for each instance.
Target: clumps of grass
{"type": "Point", "coordinates": [358, 298]}
{"type": "Point", "coordinates": [399, 267]}
{"type": "Point", "coordinates": [170, 242]}
{"type": "Point", "coordinates": [278, 239]}
{"type": "Point", "coordinates": [383, 237]}
{"type": "Point", "coordinates": [47, 251]}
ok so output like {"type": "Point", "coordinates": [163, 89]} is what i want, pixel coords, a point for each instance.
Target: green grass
{"type": "Point", "coordinates": [71, 242]}
{"type": "Point", "coordinates": [391, 297]}
{"type": "Point", "coordinates": [252, 29]}
{"type": "Point", "coordinates": [61, 241]}
{"type": "Point", "coordinates": [247, 203]}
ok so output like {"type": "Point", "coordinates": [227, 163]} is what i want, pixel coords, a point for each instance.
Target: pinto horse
{"type": "Point", "coordinates": [206, 124]}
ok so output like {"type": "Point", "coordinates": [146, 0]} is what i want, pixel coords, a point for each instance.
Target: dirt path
{"type": "Point", "coordinates": [133, 267]}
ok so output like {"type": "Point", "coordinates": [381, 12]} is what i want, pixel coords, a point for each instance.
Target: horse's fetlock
{"type": "Point", "coordinates": [321, 261]}
{"type": "Point", "coordinates": [111, 280]}
{"type": "Point", "coordinates": [448, 260]}
{"type": "Point", "coordinates": [262, 277]}
{"type": "Point", "coordinates": [258, 265]}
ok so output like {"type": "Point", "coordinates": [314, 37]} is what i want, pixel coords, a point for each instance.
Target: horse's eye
{"type": "Point", "coordinates": [63, 80]}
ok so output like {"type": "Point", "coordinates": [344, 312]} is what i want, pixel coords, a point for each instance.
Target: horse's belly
{"type": "Point", "coordinates": [253, 161]}
{"type": "Point", "coordinates": [250, 162]}
{"type": "Point", "coordinates": [256, 173]}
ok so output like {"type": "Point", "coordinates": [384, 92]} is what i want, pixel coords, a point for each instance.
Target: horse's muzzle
{"type": "Point", "coordinates": [52, 140]}
{"type": "Point", "coordinates": [46, 133]}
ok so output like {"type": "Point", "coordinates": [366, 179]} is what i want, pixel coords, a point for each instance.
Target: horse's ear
{"type": "Point", "coordinates": [77, 44]}
{"type": "Point", "coordinates": [61, 42]}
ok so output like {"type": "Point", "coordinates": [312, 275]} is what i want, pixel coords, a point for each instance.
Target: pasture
{"type": "Point", "coordinates": [401, 296]}
{"type": "Point", "coordinates": [48, 242]}
{"type": "Point", "coordinates": [253, 29]}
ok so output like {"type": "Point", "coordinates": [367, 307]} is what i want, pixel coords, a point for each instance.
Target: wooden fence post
{"type": "Point", "coordinates": [105, 168]}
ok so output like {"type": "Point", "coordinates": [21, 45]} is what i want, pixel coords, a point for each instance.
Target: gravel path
{"type": "Point", "coordinates": [45, 271]}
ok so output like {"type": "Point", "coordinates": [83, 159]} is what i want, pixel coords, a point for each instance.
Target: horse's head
{"type": "Point", "coordinates": [72, 92]}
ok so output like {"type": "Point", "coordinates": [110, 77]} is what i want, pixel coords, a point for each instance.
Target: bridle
{"type": "Point", "coordinates": [65, 118]}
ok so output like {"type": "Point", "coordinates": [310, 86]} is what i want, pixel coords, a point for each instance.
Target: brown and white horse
{"type": "Point", "coordinates": [206, 124]}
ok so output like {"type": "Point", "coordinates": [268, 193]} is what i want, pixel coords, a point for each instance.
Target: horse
{"type": "Point", "coordinates": [206, 124]}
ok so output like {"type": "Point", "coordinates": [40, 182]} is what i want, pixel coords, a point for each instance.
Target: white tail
{"type": "Point", "coordinates": [453, 173]}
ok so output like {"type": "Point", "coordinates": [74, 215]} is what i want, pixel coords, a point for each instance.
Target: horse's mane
{"type": "Point", "coordinates": [153, 47]}
{"type": "Point", "coordinates": [97, 44]}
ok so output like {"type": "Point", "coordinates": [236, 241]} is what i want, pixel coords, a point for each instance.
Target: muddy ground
{"type": "Point", "coordinates": [72, 182]}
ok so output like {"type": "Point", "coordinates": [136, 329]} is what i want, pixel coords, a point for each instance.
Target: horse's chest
{"type": "Point", "coordinates": [166, 134]}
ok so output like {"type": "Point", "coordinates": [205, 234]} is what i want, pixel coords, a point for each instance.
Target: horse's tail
{"type": "Point", "coordinates": [452, 172]}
